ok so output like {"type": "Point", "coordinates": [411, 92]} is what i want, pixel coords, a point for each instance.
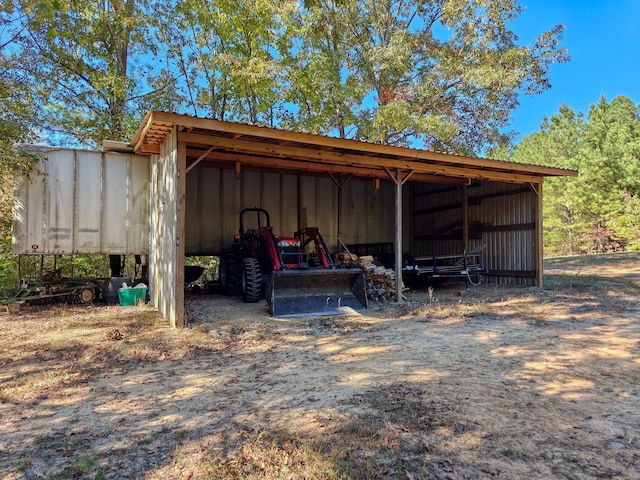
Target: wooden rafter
{"type": "Point", "coordinates": [222, 159]}
{"type": "Point", "coordinates": [303, 152]}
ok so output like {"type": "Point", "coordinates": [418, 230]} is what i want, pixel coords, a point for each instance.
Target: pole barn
{"type": "Point", "coordinates": [416, 202]}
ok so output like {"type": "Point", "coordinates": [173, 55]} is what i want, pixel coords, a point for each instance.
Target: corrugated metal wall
{"type": "Point", "coordinates": [80, 202]}
{"type": "Point", "coordinates": [501, 217]}
{"type": "Point", "coordinates": [216, 196]}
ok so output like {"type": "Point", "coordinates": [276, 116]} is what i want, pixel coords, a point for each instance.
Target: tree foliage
{"type": "Point", "coordinates": [17, 115]}
{"type": "Point", "coordinates": [599, 210]}
{"type": "Point", "coordinates": [87, 64]}
{"type": "Point", "coordinates": [444, 74]}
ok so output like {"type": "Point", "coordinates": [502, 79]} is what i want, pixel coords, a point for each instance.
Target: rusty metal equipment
{"type": "Point", "coordinates": [53, 288]}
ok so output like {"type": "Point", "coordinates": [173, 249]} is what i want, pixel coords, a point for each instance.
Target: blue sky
{"type": "Point", "coordinates": [603, 40]}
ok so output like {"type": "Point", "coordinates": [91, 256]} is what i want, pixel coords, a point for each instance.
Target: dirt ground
{"type": "Point", "coordinates": [493, 382]}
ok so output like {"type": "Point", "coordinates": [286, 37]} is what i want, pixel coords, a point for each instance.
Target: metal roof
{"type": "Point", "coordinates": [232, 145]}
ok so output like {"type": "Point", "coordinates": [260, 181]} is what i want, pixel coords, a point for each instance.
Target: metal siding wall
{"type": "Point", "coordinates": [194, 216]}
{"type": "Point", "coordinates": [355, 224]}
{"type": "Point", "coordinates": [270, 200]}
{"type": "Point", "coordinates": [210, 206]}
{"type": "Point", "coordinates": [319, 201]}
{"type": "Point", "coordinates": [138, 204]}
{"type": "Point", "coordinates": [231, 199]}
{"type": "Point", "coordinates": [289, 212]}
{"type": "Point", "coordinates": [215, 198]}
{"type": "Point", "coordinates": [426, 197]}
{"type": "Point", "coordinates": [252, 187]}
{"type": "Point", "coordinates": [60, 180]}
{"type": "Point", "coordinates": [29, 223]}
{"type": "Point", "coordinates": [88, 226]}
{"type": "Point", "coordinates": [507, 250]}
{"type": "Point", "coordinates": [115, 204]}
{"type": "Point", "coordinates": [81, 202]}
{"type": "Point", "coordinates": [369, 216]}
{"type": "Point", "coordinates": [308, 203]}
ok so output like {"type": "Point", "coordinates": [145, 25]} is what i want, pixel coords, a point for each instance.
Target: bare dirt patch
{"type": "Point", "coordinates": [493, 382]}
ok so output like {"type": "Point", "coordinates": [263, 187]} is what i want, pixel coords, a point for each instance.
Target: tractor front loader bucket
{"type": "Point", "coordinates": [312, 292]}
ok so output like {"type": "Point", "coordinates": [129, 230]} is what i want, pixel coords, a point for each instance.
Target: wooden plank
{"type": "Point", "coordinates": [181, 233]}
{"type": "Point", "coordinates": [351, 160]}
{"type": "Point", "coordinates": [275, 164]}
{"type": "Point", "coordinates": [145, 126]}
{"type": "Point", "coordinates": [331, 143]}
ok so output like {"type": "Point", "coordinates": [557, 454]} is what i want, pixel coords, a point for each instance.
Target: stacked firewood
{"type": "Point", "coordinates": [380, 282]}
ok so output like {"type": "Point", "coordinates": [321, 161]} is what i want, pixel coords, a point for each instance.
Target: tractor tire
{"type": "Point", "coordinates": [231, 272]}
{"type": "Point", "coordinates": [251, 280]}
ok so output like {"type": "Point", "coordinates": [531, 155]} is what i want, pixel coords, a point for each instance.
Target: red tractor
{"type": "Point", "coordinates": [294, 282]}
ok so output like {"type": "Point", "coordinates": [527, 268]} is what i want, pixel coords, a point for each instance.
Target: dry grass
{"type": "Point", "coordinates": [49, 355]}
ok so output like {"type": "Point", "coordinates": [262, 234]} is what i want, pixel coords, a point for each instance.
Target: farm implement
{"type": "Point", "coordinates": [52, 288]}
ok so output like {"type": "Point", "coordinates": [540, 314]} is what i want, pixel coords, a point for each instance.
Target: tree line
{"type": "Point", "coordinates": [438, 74]}
{"type": "Point", "coordinates": [598, 211]}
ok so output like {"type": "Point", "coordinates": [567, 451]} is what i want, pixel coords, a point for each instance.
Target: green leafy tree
{"type": "Point", "coordinates": [443, 73]}
{"type": "Point", "coordinates": [86, 63]}
{"type": "Point", "coordinates": [324, 94]}
{"type": "Point", "coordinates": [17, 115]}
{"type": "Point", "coordinates": [226, 54]}
{"type": "Point", "coordinates": [599, 210]}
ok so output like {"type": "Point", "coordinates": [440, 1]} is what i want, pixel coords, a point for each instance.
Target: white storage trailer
{"type": "Point", "coordinates": [82, 202]}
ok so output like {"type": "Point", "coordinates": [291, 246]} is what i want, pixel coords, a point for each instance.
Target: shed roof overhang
{"type": "Point", "coordinates": [232, 145]}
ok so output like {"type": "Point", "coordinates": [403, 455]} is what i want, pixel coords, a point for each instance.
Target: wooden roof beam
{"type": "Point", "coordinates": [228, 160]}
{"type": "Point", "coordinates": [349, 144]}
{"type": "Point", "coordinates": [351, 160]}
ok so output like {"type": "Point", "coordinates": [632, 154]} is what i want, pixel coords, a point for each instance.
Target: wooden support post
{"type": "Point", "coordinates": [539, 241]}
{"type": "Point", "coordinates": [181, 233]}
{"type": "Point", "coordinates": [399, 181]}
{"type": "Point", "coordinates": [398, 236]}
{"type": "Point", "coordinates": [340, 181]}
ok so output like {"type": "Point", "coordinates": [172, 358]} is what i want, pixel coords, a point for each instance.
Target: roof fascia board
{"type": "Point", "coordinates": [278, 163]}
{"type": "Point", "coordinates": [146, 124]}
{"type": "Point", "coordinates": [328, 156]}
{"type": "Point", "coordinates": [343, 143]}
